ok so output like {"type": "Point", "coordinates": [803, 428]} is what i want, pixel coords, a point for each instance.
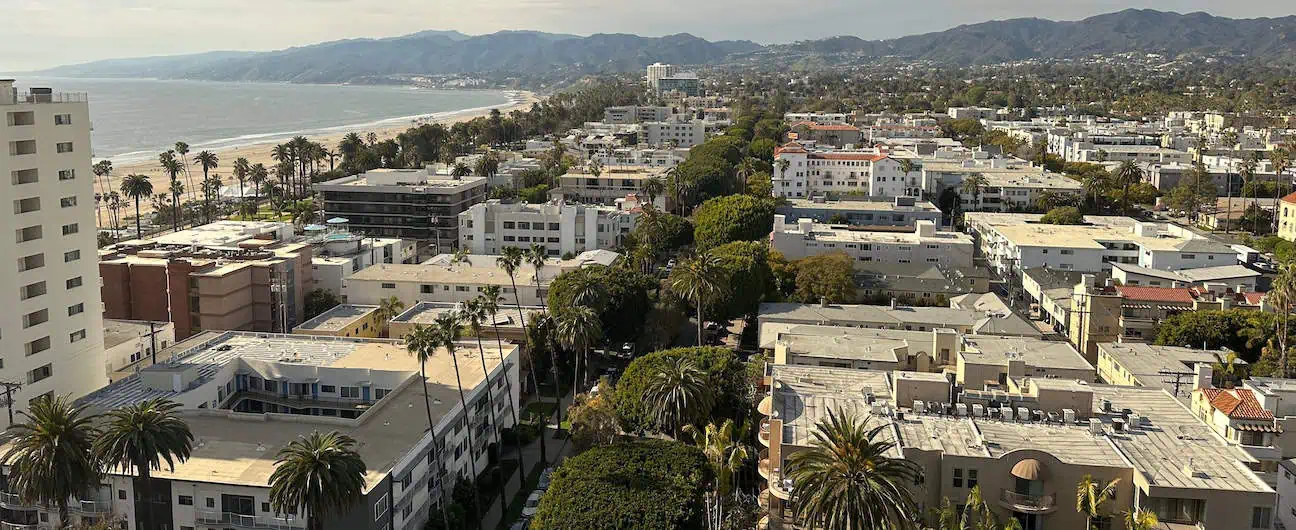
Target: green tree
{"type": "Point", "coordinates": [388, 308]}
{"type": "Point", "coordinates": [593, 418]}
{"type": "Point", "coordinates": [846, 481]}
{"type": "Point", "coordinates": [744, 266]}
{"type": "Point", "coordinates": [726, 450]}
{"type": "Point", "coordinates": [762, 149]}
{"type": "Point", "coordinates": [732, 218]}
{"type": "Point", "coordinates": [317, 475]}
{"type": "Point", "coordinates": [489, 300]}
{"type": "Point", "coordinates": [1140, 520]}
{"type": "Point", "coordinates": [208, 161]}
{"type": "Point", "coordinates": [676, 393]}
{"type": "Point", "coordinates": [50, 454]}
{"type": "Point", "coordinates": [699, 280]}
{"type": "Point", "coordinates": [1127, 175]}
{"type": "Point", "coordinates": [622, 302]}
{"type": "Point", "coordinates": [1091, 495]}
{"type": "Point", "coordinates": [972, 185]}
{"type": "Point", "coordinates": [142, 436]}
{"type": "Point", "coordinates": [318, 301]}
{"type": "Point", "coordinates": [1240, 330]}
{"type": "Point", "coordinates": [728, 378]}
{"type": "Point", "coordinates": [1066, 215]}
{"type": "Point", "coordinates": [422, 342]}
{"type": "Point", "coordinates": [136, 187]}
{"type": "Point", "coordinates": [578, 328]}
{"type": "Point", "coordinates": [638, 484]}
{"type": "Point", "coordinates": [829, 277]}
{"type": "Point", "coordinates": [474, 314]}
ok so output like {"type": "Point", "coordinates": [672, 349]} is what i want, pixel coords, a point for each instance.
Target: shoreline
{"type": "Point", "coordinates": [261, 151]}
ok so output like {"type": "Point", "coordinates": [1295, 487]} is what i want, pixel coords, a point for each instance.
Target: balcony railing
{"type": "Point", "coordinates": [764, 434]}
{"type": "Point", "coordinates": [14, 502]}
{"type": "Point", "coordinates": [238, 520]}
{"type": "Point", "coordinates": [1027, 503]}
{"type": "Point", "coordinates": [16, 526]}
{"type": "Point", "coordinates": [91, 507]}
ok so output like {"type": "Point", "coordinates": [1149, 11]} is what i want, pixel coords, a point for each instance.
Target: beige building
{"type": "Point", "coordinates": [920, 244]}
{"type": "Point", "coordinates": [508, 321]}
{"type": "Point", "coordinates": [775, 318]}
{"type": "Point", "coordinates": [129, 345]}
{"type": "Point", "coordinates": [1287, 217]}
{"type": "Point", "coordinates": [344, 320]}
{"type": "Point", "coordinates": [1172, 368]}
{"type": "Point", "coordinates": [605, 188]}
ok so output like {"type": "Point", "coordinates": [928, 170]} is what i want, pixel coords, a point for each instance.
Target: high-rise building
{"type": "Point", "coordinates": [657, 71]}
{"type": "Point", "coordinates": [51, 334]}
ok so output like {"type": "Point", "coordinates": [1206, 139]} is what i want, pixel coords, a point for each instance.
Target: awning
{"type": "Point", "coordinates": [1029, 469]}
{"type": "Point", "coordinates": [338, 221]}
{"type": "Point", "coordinates": [1258, 428]}
{"type": "Point", "coordinates": [766, 406]}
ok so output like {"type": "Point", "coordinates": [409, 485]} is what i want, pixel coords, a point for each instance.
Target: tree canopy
{"type": "Point", "coordinates": [732, 218]}
{"type": "Point", "coordinates": [747, 272]}
{"type": "Point", "coordinates": [728, 381]}
{"type": "Point", "coordinates": [1240, 330]}
{"type": "Point", "coordinates": [622, 300]}
{"type": "Point", "coordinates": [1065, 215]}
{"type": "Point", "coordinates": [826, 276]}
{"type": "Point", "coordinates": [639, 484]}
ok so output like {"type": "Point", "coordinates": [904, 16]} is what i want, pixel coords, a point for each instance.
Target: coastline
{"type": "Point", "coordinates": [261, 151]}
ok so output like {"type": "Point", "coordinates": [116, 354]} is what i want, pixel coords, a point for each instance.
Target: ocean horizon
{"type": "Point", "coordinates": [135, 119]}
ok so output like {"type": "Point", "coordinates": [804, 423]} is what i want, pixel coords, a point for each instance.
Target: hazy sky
{"type": "Point", "coordinates": [42, 33]}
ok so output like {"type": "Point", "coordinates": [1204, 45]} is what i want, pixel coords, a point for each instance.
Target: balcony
{"type": "Point", "coordinates": [237, 520]}
{"type": "Point", "coordinates": [16, 526]}
{"type": "Point", "coordinates": [764, 434]}
{"type": "Point", "coordinates": [1021, 502]}
{"type": "Point", "coordinates": [764, 466]}
{"type": "Point", "coordinates": [90, 508]}
{"type": "Point", "coordinates": [13, 502]}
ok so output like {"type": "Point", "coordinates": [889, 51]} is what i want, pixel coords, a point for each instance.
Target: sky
{"type": "Point", "coordinates": [38, 34]}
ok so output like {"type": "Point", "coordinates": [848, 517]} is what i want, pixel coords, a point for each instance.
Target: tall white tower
{"type": "Point", "coordinates": [657, 71]}
{"type": "Point", "coordinates": [51, 329]}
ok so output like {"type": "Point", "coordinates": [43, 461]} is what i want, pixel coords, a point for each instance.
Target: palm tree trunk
{"type": "Point", "coordinates": [699, 323]}
{"type": "Point", "coordinates": [435, 468]}
{"type": "Point", "coordinates": [1228, 193]}
{"type": "Point", "coordinates": [522, 320]}
{"type": "Point", "coordinates": [490, 402]}
{"type": "Point", "coordinates": [508, 389]}
{"type": "Point", "coordinates": [146, 490]}
{"type": "Point", "coordinates": [137, 219]}
{"type": "Point", "coordinates": [472, 449]}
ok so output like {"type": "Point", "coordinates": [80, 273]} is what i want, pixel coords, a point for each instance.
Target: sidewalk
{"type": "Point", "coordinates": [557, 448]}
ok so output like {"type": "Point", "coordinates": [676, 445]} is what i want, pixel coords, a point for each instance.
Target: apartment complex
{"type": "Point", "coordinates": [339, 253]}
{"type": "Point", "coordinates": [801, 172]}
{"type": "Point", "coordinates": [411, 204]}
{"type": "Point", "coordinates": [657, 71]}
{"type": "Point", "coordinates": [1008, 184]}
{"type": "Point", "coordinates": [900, 211]}
{"type": "Point", "coordinates": [605, 188]}
{"type": "Point", "coordinates": [775, 318]}
{"type": "Point", "coordinates": [563, 228]}
{"type": "Point", "coordinates": [246, 396]}
{"type": "Point", "coordinates": [1287, 217]}
{"type": "Point", "coordinates": [922, 244]}
{"type": "Point", "coordinates": [130, 345]}
{"type": "Point", "coordinates": [1013, 242]}
{"type": "Point", "coordinates": [227, 275]}
{"type": "Point", "coordinates": [675, 131]}
{"type": "Point", "coordinates": [635, 114]}
{"type": "Point", "coordinates": [53, 340]}
{"type": "Point", "coordinates": [345, 320]}
{"type": "Point", "coordinates": [833, 134]}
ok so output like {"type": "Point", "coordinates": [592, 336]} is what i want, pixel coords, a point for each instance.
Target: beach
{"type": "Point", "coordinates": [262, 153]}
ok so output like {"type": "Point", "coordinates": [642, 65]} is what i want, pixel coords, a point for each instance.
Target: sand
{"type": "Point", "coordinates": [260, 153]}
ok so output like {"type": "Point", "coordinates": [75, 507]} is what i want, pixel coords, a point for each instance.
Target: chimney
{"type": "Point", "coordinates": [1202, 376]}
{"type": "Point", "coordinates": [823, 301]}
{"type": "Point", "coordinates": [926, 228]}
{"type": "Point", "coordinates": [893, 302]}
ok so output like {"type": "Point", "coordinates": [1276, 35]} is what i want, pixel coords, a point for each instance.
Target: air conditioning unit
{"type": "Point", "coordinates": [919, 406]}
{"type": "Point", "coordinates": [1068, 415]}
{"type": "Point", "coordinates": [960, 409]}
{"type": "Point", "coordinates": [1023, 414]}
{"type": "Point", "coordinates": [978, 410]}
{"type": "Point", "coordinates": [1095, 426]}
{"type": "Point", "coordinates": [1007, 413]}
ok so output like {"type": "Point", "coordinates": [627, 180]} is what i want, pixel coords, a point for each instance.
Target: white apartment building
{"type": "Point", "coordinates": [130, 344]}
{"type": "Point", "coordinates": [609, 186]}
{"type": "Point", "coordinates": [628, 157]}
{"type": "Point", "coordinates": [1012, 242]}
{"type": "Point", "coordinates": [819, 118]}
{"type": "Point", "coordinates": [658, 71]}
{"type": "Point", "coordinates": [338, 255]}
{"type": "Point", "coordinates": [635, 114]}
{"type": "Point", "coordinates": [246, 396]}
{"type": "Point", "coordinates": [921, 244]}
{"type": "Point", "coordinates": [488, 227]}
{"type": "Point", "coordinates": [677, 131]}
{"type": "Point", "coordinates": [973, 113]}
{"type": "Point", "coordinates": [53, 338]}
{"type": "Point", "coordinates": [812, 172]}
{"type": "Point", "coordinates": [1010, 183]}
{"type": "Point", "coordinates": [900, 211]}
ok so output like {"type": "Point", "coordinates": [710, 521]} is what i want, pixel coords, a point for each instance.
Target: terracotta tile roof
{"type": "Point", "coordinates": [1290, 198]}
{"type": "Point", "coordinates": [1253, 298]}
{"type": "Point", "coordinates": [847, 156]}
{"type": "Point", "coordinates": [790, 147]}
{"type": "Point", "coordinates": [827, 126]}
{"type": "Point", "coordinates": [1155, 294]}
{"type": "Point", "coordinates": [1237, 403]}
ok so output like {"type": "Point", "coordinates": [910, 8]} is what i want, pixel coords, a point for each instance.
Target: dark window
{"type": "Point", "coordinates": [185, 500]}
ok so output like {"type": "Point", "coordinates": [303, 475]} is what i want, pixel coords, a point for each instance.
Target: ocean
{"type": "Point", "coordinates": [134, 119]}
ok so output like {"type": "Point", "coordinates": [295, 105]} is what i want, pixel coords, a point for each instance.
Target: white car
{"type": "Point", "coordinates": [532, 504]}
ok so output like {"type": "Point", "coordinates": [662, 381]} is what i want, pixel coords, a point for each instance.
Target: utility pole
{"type": "Point", "coordinates": [1175, 378]}
{"type": "Point", "coordinates": [8, 393]}
{"type": "Point", "coordinates": [153, 340]}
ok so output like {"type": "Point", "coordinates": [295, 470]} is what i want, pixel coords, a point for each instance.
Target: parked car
{"type": "Point", "coordinates": [521, 524]}
{"type": "Point", "coordinates": [532, 504]}
{"type": "Point", "coordinates": [545, 477]}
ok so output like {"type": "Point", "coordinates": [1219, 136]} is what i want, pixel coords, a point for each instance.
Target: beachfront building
{"type": "Point", "coordinates": [1011, 242]}
{"type": "Point", "coordinates": [563, 228]}
{"type": "Point", "coordinates": [899, 211]}
{"type": "Point", "coordinates": [449, 280]}
{"type": "Point", "coordinates": [226, 275]}
{"type": "Point", "coordinates": [412, 204]}
{"type": "Point", "coordinates": [580, 186]}
{"type": "Point", "coordinates": [627, 114]}
{"type": "Point", "coordinates": [813, 171]}
{"type": "Point", "coordinates": [53, 336]}
{"type": "Point", "coordinates": [922, 244]}
{"type": "Point", "coordinates": [1025, 447]}
{"type": "Point", "coordinates": [246, 396]}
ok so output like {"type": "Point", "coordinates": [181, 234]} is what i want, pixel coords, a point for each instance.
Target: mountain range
{"type": "Point", "coordinates": [436, 52]}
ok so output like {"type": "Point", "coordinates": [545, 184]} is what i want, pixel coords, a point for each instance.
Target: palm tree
{"type": "Point", "coordinates": [177, 189]}
{"type": "Point", "coordinates": [699, 280]}
{"type": "Point", "coordinates": [1248, 173]}
{"type": "Point", "coordinates": [1280, 158]}
{"type": "Point", "coordinates": [318, 475]}
{"type": "Point", "coordinates": [725, 450]}
{"type": "Point", "coordinates": [846, 481]}
{"type": "Point", "coordinates": [50, 455]}
{"type": "Point", "coordinates": [1127, 174]}
{"type": "Point", "coordinates": [388, 308]}
{"type": "Point", "coordinates": [578, 327]}
{"type": "Point", "coordinates": [536, 257]}
{"type": "Point", "coordinates": [972, 185]}
{"type": "Point", "coordinates": [489, 301]}
{"type": "Point", "coordinates": [258, 175]}
{"type": "Point", "coordinates": [1093, 184]}
{"type": "Point", "coordinates": [474, 314]}
{"type": "Point", "coordinates": [460, 170]}
{"type": "Point", "coordinates": [510, 260]}
{"type": "Point", "coordinates": [1283, 293]}
{"type": "Point", "coordinates": [678, 394]}
{"type": "Point", "coordinates": [143, 436]}
{"type": "Point", "coordinates": [422, 343]}
{"type": "Point", "coordinates": [1140, 520]}
{"type": "Point", "coordinates": [137, 186]}
{"type": "Point", "coordinates": [241, 171]}
{"type": "Point", "coordinates": [446, 329]}
{"type": "Point", "coordinates": [652, 187]}
{"type": "Point", "coordinates": [745, 169]}
{"type": "Point", "coordinates": [182, 149]}
{"type": "Point", "coordinates": [1091, 495]}
{"type": "Point", "coordinates": [207, 160]}
{"type": "Point", "coordinates": [101, 170]}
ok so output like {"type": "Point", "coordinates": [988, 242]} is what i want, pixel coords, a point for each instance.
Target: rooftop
{"type": "Point", "coordinates": [337, 318]}
{"type": "Point", "coordinates": [879, 234]}
{"type": "Point", "coordinates": [778, 317]}
{"type": "Point", "coordinates": [865, 205]}
{"type": "Point", "coordinates": [1144, 362]}
{"type": "Point", "coordinates": [223, 234]}
{"type": "Point", "coordinates": [1025, 230]}
{"type": "Point", "coordinates": [803, 396]}
{"type": "Point", "coordinates": [987, 349]}
{"type": "Point", "coordinates": [117, 332]}
{"type": "Point", "coordinates": [427, 313]}
{"type": "Point", "coordinates": [414, 179]}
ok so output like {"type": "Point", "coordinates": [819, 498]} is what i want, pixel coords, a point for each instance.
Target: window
{"type": "Point", "coordinates": [958, 477]}
{"type": "Point", "coordinates": [972, 478]}
{"type": "Point", "coordinates": [77, 336]}
{"type": "Point", "coordinates": [37, 346]}
{"type": "Point", "coordinates": [211, 502]}
{"type": "Point", "coordinates": [30, 204]}
{"type": "Point", "coordinates": [121, 494]}
{"type": "Point", "coordinates": [69, 229]}
{"type": "Point", "coordinates": [71, 255]}
{"type": "Point", "coordinates": [388, 286]}
{"type": "Point", "coordinates": [1189, 256]}
{"type": "Point", "coordinates": [351, 392]}
{"type": "Point", "coordinates": [62, 119]}
{"type": "Point", "coordinates": [509, 225]}
{"type": "Point", "coordinates": [63, 147]}
{"type": "Point", "coordinates": [73, 283]}
{"type": "Point", "coordinates": [35, 318]}
{"type": "Point", "coordinates": [40, 374]}
{"type": "Point", "coordinates": [67, 174]}
{"type": "Point", "coordinates": [524, 225]}
{"type": "Point", "coordinates": [76, 309]}
{"type": "Point", "coordinates": [1261, 517]}
{"type": "Point", "coordinates": [553, 226]}
{"type": "Point", "coordinates": [68, 202]}
{"type": "Point", "coordinates": [380, 507]}
{"type": "Point", "coordinates": [185, 500]}
{"type": "Point", "coordinates": [380, 393]}
{"type": "Point", "coordinates": [34, 261]}
{"type": "Point", "coordinates": [30, 233]}
{"type": "Point", "coordinates": [328, 389]}
{"type": "Point", "coordinates": [25, 176]}
{"type": "Point", "coordinates": [265, 506]}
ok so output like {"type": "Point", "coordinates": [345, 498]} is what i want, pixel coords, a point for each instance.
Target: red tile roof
{"type": "Point", "coordinates": [1253, 298]}
{"type": "Point", "coordinates": [1237, 403]}
{"type": "Point", "coordinates": [790, 147]}
{"type": "Point", "coordinates": [847, 156]}
{"type": "Point", "coordinates": [1290, 198]}
{"type": "Point", "coordinates": [1155, 294]}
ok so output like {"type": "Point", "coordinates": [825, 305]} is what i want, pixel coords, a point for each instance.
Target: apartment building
{"type": "Point", "coordinates": [579, 186]}
{"type": "Point", "coordinates": [339, 253]}
{"type": "Point", "coordinates": [972, 113]}
{"type": "Point", "coordinates": [915, 284]}
{"type": "Point", "coordinates": [823, 118]}
{"type": "Point", "coordinates": [875, 244]}
{"type": "Point", "coordinates": [635, 114]}
{"type": "Point", "coordinates": [834, 134]}
{"type": "Point", "coordinates": [1108, 313]}
{"type": "Point", "coordinates": [629, 157]}
{"type": "Point", "coordinates": [1287, 217]}
{"type": "Point", "coordinates": [449, 280]}
{"type": "Point", "coordinates": [677, 131]}
{"type": "Point", "coordinates": [345, 320]}
{"type": "Point", "coordinates": [801, 172]}
{"type": "Point", "coordinates": [53, 337]}
{"type": "Point", "coordinates": [657, 71]}
{"type": "Point", "coordinates": [508, 322]}
{"type": "Point", "coordinates": [1172, 368]}
{"type": "Point", "coordinates": [1025, 448]}
{"type": "Point", "coordinates": [227, 275]}
{"type": "Point", "coordinates": [774, 318]}
{"type": "Point", "coordinates": [1167, 176]}
{"type": "Point", "coordinates": [1219, 280]}
{"type": "Point", "coordinates": [684, 84]}
{"type": "Point", "coordinates": [563, 228]}
{"type": "Point", "coordinates": [1012, 242]}
{"type": "Point", "coordinates": [411, 204]}
{"type": "Point", "coordinates": [130, 344]}
{"type": "Point", "coordinates": [900, 211]}
{"type": "Point", "coordinates": [245, 396]}
{"type": "Point", "coordinates": [1009, 184]}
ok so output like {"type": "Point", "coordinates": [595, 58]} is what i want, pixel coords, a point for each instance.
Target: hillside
{"type": "Point", "coordinates": [529, 52]}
